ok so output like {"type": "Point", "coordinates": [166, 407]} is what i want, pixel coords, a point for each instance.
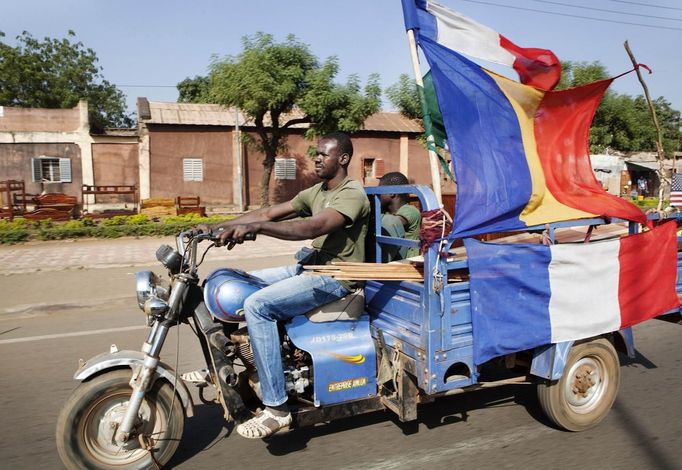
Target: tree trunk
{"type": "Point", "coordinates": [268, 163]}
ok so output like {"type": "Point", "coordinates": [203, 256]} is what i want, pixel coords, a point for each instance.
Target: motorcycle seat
{"type": "Point", "coordinates": [350, 307]}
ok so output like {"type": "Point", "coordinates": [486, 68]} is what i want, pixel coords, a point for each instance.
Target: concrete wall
{"type": "Point", "coordinates": [16, 164]}
{"type": "Point", "coordinates": [115, 164]}
{"type": "Point", "coordinates": [168, 145]}
{"type": "Point", "coordinates": [39, 120]}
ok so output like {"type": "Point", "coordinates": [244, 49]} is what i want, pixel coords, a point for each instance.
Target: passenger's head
{"type": "Point", "coordinates": [334, 152]}
{"type": "Point", "coordinates": [393, 202]}
{"type": "Point", "coordinates": [393, 178]}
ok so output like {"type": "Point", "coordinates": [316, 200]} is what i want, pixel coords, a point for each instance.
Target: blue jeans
{"type": "Point", "coordinates": [289, 294]}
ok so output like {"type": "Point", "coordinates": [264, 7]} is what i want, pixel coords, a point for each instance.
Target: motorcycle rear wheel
{"type": "Point", "coordinates": [89, 420]}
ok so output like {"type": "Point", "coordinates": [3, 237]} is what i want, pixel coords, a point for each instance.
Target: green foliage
{"type": "Point", "coordinates": [119, 226]}
{"type": "Point", "coordinates": [281, 84]}
{"type": "Point", "coordinates": [13, 232]}
{"type": "Point", "coordinates": [57, 73]}
{"type": "Point", "coordinates": [193, 90]}
{"type": "Point", "coordinates": [405, 97]}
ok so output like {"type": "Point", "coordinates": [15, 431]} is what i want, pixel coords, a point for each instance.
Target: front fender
{"type": "Point", "coordinates": [119, 359]}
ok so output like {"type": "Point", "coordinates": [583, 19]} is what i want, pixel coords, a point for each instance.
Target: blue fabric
{"type": "Point", "coordinates": [416, 17]}
{"type": "Point", "coordinates": [517, 316]}
{"type": "Point", "coordinates": [289, 294]}
{"type": "Point", "coordinates": [484, 137]}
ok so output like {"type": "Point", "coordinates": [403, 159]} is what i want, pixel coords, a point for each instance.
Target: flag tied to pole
{"type": "Point", "coordinates": [521, 157]}
{"type": "Point", "coordinates": [519, 150]}
{"type": "Point", "coordinates": [549, 294]}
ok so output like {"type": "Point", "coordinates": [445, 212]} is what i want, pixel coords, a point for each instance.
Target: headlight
{"type": "Point", "coordinates": [148, 285]}
{"type": "Point", "coordinates": [155, 307]}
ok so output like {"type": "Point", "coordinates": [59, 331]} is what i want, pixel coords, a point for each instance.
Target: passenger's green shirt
{"type": "Point", "coordinates": [414, 222]}
{"type": "Point", "coordinates": [350, 200]}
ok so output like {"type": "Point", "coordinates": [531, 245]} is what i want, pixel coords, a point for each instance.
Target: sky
{"type": "Point", "coordinates": [146, 47]}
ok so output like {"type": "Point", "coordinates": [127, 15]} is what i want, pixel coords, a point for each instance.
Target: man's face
{"type": "Point", "coordinates": [329, 159]}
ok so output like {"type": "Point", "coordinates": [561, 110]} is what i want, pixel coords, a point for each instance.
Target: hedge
{"type": "Point", "coordinates": [20, 230]}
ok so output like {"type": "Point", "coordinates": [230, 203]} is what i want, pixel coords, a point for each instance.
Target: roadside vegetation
{"type": "Point", "coordinates": [21, 230]}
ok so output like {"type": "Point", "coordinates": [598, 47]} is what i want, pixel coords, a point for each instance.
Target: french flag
{"type": "Point", "coordinates": [524, 296]}
{"type": "Point", "coordinates": [539, 68]}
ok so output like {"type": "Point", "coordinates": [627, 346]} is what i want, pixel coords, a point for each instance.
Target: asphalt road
{"type": "Point", "coordinates": [48, 320]}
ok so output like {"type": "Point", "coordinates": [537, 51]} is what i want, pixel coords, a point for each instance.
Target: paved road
{"type": "Point", "coordinates": [49, 319]}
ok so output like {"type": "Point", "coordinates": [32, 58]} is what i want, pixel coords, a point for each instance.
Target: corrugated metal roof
{"type": "Point", "coordinates": [217, 115]}
{"type": "Point", "coordinates": [392, 122]}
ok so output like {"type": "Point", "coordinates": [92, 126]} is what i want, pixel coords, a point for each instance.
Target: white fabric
{"type": "Point", "coordinates": [583, 281]}
{"type": "Point", "coordinates": [462, 34]}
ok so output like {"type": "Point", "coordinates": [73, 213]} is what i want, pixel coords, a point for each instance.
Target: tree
{"type": "Point", "coordinates": [279, 85]}
{"type": "Point", "coordinates": [193, 90]}
{"type": "Point", "coordinates": [404, 96]}
{"type": "Point", "coordinates": [57, 73]}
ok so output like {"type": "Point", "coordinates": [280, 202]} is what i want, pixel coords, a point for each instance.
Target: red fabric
{"type": "Point", "coordinates": [648, 272]}
{"type": "Point", "coordinates": [539, 68]}
{"type": "Point", "coordinates": [562, 126]}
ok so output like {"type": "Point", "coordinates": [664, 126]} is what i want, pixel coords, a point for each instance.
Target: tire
{"type": "Point", "coordinates": [87, 424]}
{"type": "Point", "coordinates": [584, 394]}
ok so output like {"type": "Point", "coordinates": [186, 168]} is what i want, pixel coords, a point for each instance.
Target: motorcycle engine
{"type": "Point", "coordinates": [296, 364]}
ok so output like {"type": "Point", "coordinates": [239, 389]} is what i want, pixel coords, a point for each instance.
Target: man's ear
{"type": "Point", "coordinates": [344, 159]}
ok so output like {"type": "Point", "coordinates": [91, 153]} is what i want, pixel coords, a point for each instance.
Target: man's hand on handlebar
{"type": "Point", "coordinates": [229, 235]}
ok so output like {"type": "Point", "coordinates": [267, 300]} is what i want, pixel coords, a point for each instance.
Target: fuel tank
{"type": "Point", "coordinates": [225, 291]}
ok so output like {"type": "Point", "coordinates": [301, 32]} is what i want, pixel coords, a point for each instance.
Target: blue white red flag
{"type": "Point", "coordinates": [676, 190]}
{"type": "Point", "coordinates": [520, 153]}
{"type": "Point", "coordinates": [549, 294]}
{"type": "Point", "coordinates": [536, 67]}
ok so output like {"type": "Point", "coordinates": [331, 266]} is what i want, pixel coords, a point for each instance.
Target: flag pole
{"type": "Point", "coordinates": [433, 158]}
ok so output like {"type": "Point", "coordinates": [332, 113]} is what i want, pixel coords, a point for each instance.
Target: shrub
{"type": "Point", "coordinates": [119, 226]}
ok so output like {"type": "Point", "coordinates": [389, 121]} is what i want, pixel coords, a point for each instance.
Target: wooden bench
{"type": "Point", "coordinates": [108, 190]}
{"type": "Point", "coordinates": [189, 205]}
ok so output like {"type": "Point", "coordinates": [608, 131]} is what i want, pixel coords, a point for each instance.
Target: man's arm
{"type": "Point", "coordinates": [282, 211]}
{"type": "Point", "coordinates": [324, 222]}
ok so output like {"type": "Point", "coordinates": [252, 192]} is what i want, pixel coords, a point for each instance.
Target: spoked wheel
{"type": "Point", "coordinates": [88, 423]}
{"type": "Point", "coordinates": [587, 389]}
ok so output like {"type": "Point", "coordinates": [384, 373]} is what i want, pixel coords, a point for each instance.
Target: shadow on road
{"type": "Point", "coordinates": [204, 430]}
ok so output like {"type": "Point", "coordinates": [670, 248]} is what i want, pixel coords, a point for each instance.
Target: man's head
{"type": "Point", "coordinates": [393, 202]}
{"type": "Point", "coordinates": [334, 152]}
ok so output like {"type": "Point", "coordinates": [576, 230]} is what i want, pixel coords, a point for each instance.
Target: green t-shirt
{"type": "Point", "coordinates": [414, 222]}
{"type": "Point", "coordinates": [350, 200]}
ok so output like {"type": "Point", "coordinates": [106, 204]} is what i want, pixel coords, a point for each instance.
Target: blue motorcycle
{"type": "Point", "coordinates": [392, 346]}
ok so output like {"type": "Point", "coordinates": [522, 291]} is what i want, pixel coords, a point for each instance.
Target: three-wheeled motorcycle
{"type": "Point", "coordinates": [393, 346]}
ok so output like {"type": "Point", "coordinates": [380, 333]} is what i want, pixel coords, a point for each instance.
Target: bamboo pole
{"type": "Point", "coordinates": [660, 154]}
{"type": "Point", "coordinates": [433, 162]}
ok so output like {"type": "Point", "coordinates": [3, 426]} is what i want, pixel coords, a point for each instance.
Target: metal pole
{"type": "Point", "coordinates": [239, 183]}
{"type": "Point", "coordinates": [433, 162]}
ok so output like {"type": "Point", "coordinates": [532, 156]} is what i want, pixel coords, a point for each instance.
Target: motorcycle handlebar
{"type": "Point", "coordinates": [215, 236]}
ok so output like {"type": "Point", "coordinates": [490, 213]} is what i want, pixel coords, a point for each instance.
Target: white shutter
{"type": "Point", "coordinates": [37, 171]}
{"type": "Point", "coordinates": [285, 168]}
{"type": "Point", "coordinates": [291, 168]}
{"type": "Point", "coordinates": [65, 170]}
{"type": "Point", "coordinates": [193, 169]}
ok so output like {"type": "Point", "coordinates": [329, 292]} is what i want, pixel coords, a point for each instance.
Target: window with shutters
{"type": "Point", "coordinates": [285, 168]}
{"type": "Point", "coordinates": [51, 169]}
{"type": "Point", "coordinates": [193, 169]}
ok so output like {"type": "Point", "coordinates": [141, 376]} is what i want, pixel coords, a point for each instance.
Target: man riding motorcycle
{"type": "Point", "coordinates": [335, 214]}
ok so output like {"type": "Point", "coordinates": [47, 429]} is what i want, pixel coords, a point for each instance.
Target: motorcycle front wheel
{"type": "Point", "coordinates": [90, 418]}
